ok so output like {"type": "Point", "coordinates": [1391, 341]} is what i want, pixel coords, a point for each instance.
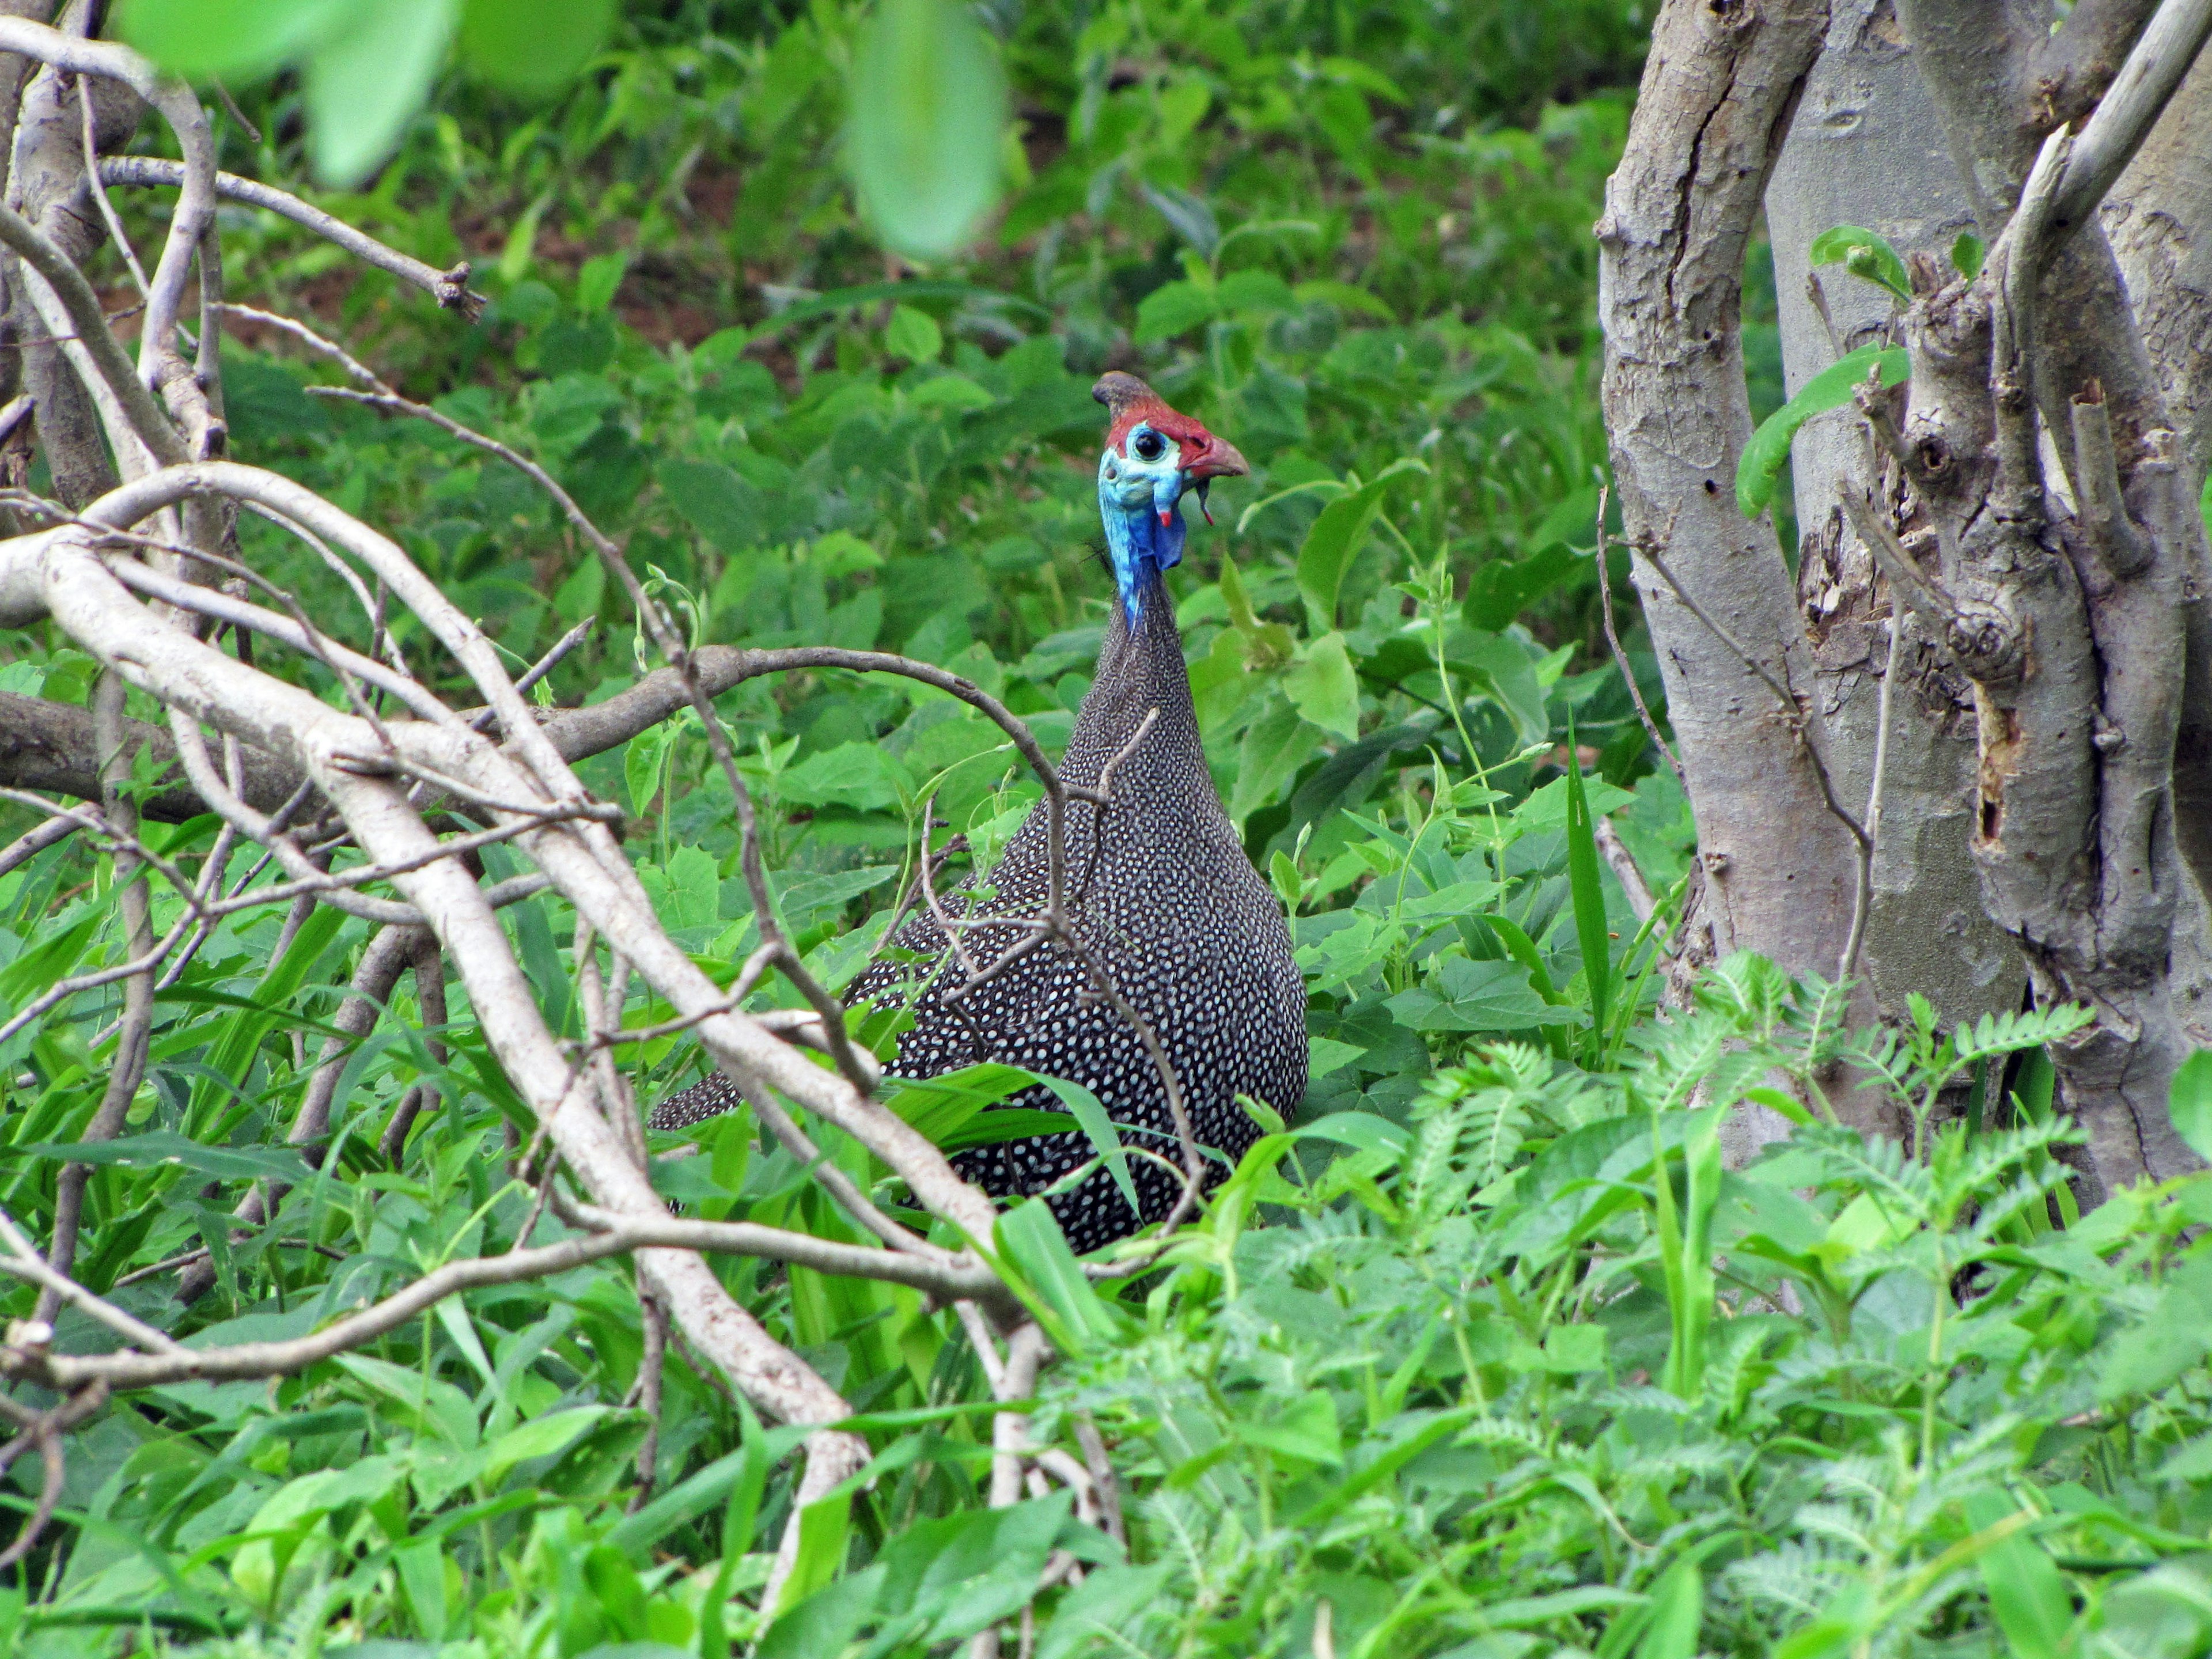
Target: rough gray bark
{"type": "Point", "coordinates": [2057, 560]}
{"type": "Point", "coordinates": [2064, 596]}
{"type": "Point", "coordinates": [46, 185]}
{"type": "Point", "coordinates": [1865, 149]}
{"type": "Point", "coordinates": [2158, 219]}
{"type": "Point", "coordinates": [1715, 105]}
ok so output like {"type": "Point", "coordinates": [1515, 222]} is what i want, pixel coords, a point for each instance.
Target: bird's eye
{"type": "Point", "coordinates": [1149, 445]}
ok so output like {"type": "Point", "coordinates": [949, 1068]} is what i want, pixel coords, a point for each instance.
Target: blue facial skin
{"type": "Point", "coordinates": [1139, 501]}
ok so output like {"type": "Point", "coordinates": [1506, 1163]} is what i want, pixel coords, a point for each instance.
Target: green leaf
{"type": "Point", "coordinates": [230, 38]}
{"type": "Point", "coordinates": [2027, 1592]}
{"type": "Point", "coordinates": [716, 502]}
{"type": "Point", "coordinates": [2189, 1103]}
{"type": "Point", "coordinates": [541, 1436]}
{"type": "Point", "coordinates": [824, 1528]}
{"type": "Point", "coordinates": [1050, 1282]}
{"type": "Point", "coordinates": [1172, 309]}
{"type": "Point", "coordinates": [532, 46]}
{"type": "Point", "coordinates": [1335, 540]}
{"type": "Point", "coordinates": [1677, 1605]}
{"type": "Point", "coordinates": [1102, 1608]}
{"type": "Point", "coordinates": [1090, 1112]}
{"type": "Point", "coordinates": [1304, 1431]}
{"type": "Point", "coordinates": [957, 1573]}
{"type": "Point", "coordinates": [922, 141]}
{"type": "Point", "coordinates": [1864, 254]}
{"type": "Point", "coordinates": [865, 776]}
{"type": "Point", "coordinates": [367, 82]}
{"type": "Point", "coordinates": [1588, 891]}
{"type": "Point", "coordinates": [915, 335]}
{"type": "Point", "coordinates": [1325, 689]}
{"type": "Point", "coordinates": [597, 282]}
{"type": "Point", "coordinates": [1475, 996]}
{"type": "Point", "coordinates": [1760, 467]}
{"type": "Point", "coordinates": [1967, 252]}
{"type": "Point", "coordinates": [161, 1147]}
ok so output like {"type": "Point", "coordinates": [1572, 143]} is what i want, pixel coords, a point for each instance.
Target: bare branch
{"type": "Point", "coordinates": [1620, 656]}
{"type": "Point", "coordinates": [1791, 712]}
{"type": "Point", "coordinates": [86, 315]}
{"type": "Point", "coordinates": [2161, 57]}
{"type": "Point", "coordinates": [449, 288]}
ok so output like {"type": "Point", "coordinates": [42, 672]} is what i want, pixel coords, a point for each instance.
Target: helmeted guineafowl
{"type": "Point", "coordinates": [1158, 887]}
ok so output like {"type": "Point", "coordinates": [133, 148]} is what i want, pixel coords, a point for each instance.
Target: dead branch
{"type": "Point", "coordinates": [449, 288]}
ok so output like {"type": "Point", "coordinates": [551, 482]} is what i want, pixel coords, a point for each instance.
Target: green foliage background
{"type": "Point", "coordinates": [1484, 1353]}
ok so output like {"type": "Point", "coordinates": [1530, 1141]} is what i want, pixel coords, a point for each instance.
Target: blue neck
{"type": "Point", "coordinates": [1141, 547]}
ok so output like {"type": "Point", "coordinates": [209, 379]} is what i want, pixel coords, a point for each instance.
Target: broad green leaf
{"type": "Point", "coordinates": [864, 776]}
{"type": "Point", "coordinates": [1864, 254]}
{"type": "Point", "coordinates": [1335, 540]}
{"type": "Point", "coordinates": [1967, 253]}
{"type": "Point", "coordinates": [1274, 747]}
{"type": "Point", "coordinates": [715, 502]}
{"type": "Point", "coordinates": [922, 141]}
{"type": "Point", "coordinates": [1760, 467]}
{"type": "Point", "coordinates": [1677, 1605]}
{"type": "Point", "coordinates": [2189, 1103]}
{"type": "Point", "coordinates": [160, 1147]}
{"type": "Point", "coordinates": [532, 46]}
{"type": "Point", "coordinates": [1101, 1609]}
{"type": "Point", "coordinates": [2027, 1592]}
{"type": "Point", "coordinates": [1050, 1281]}
{"type": "Point", "coordinates": [825, 1527]}
{"type": "Point", "coordinates": [686, 892]}
{"type": "Point", "coordinates": [1498, 666]}
{"type": "Point", "coordinates": [1325, 1055]}
{"type": "Point", "coordinates": [597, 282]}
{"type": "Point", "coordinates": [915, 335]}
{"type": "Point", "coordinates": [368, 80]}
{"type": "Point", "coordinates": [1324, 688]}
{"type": "Point", "coordinates": [958, 1573]}
{"type": "Point", "coordinates": [1306, 1430]}
{"type": "Point", "coordinates": [1173, 308]}
{"type": "Point", "coordinates": [539, 1437]}
{"type": "Point", "coordinates": [1476, 996]}
{"type": "Point", "coordinates": [231, 38]}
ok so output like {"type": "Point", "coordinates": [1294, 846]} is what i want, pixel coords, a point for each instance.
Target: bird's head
{"type": "Point", "coordinates": [1152, 456]}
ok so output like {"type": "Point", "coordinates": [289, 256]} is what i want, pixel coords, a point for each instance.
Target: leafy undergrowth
{"type": "Point", "coordinates": [1484, 1353]}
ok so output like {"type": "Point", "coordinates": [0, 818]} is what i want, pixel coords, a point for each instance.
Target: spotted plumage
{"type": "Point", "coordinates": [1158, 887]}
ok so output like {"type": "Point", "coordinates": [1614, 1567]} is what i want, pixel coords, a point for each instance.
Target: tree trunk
{"type": "Point", "coordinates": [1865, 149]}
{"type": "Point", "coordinates": [1779, 860]}
{"type": "Point", "coordinates": [2056, 566]}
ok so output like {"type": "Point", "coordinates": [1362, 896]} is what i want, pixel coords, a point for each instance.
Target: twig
{"type": "Point", "coordinates": [45, 1431]}
{"type": "Point", "coordinates": [99, 196]}
{"type": "Point", "coordinates": [1102, 1474]}
{"type": "Point", "coordinates": [1622, 862]}
{"type": "Point", "coordinates": [449, 288]}
{"type": "Point", "coordinates": [623, 1233]}
{"type": "Point", "coordinates": [655, 1331]}
{"type": "Point", "coordinates": [146, 420]}
{"type": "Point", "coordinates": [1619, 655]}
{"type": "Point", "coordinates": [25, 1263]}
{"type": "Point", "coordinates": [1863, 889]}
{"type": "Point", "coordinates": [2126, 114]}
{"type": "Point", "coordinates": [31, 842]}
{"type": "Point", "coordinates": [1791, 710]}
{"type": "Point", "coordinates": [133, 1040]}
{"type": "Point", "coordinates": [429, 964]}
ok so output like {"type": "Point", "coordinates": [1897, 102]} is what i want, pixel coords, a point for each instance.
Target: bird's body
{"type": "Point", "coordinates": [1158, 889]}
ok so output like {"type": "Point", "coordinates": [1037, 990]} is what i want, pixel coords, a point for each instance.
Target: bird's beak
{"type": "Point", "coordinates": [1220, 459]}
